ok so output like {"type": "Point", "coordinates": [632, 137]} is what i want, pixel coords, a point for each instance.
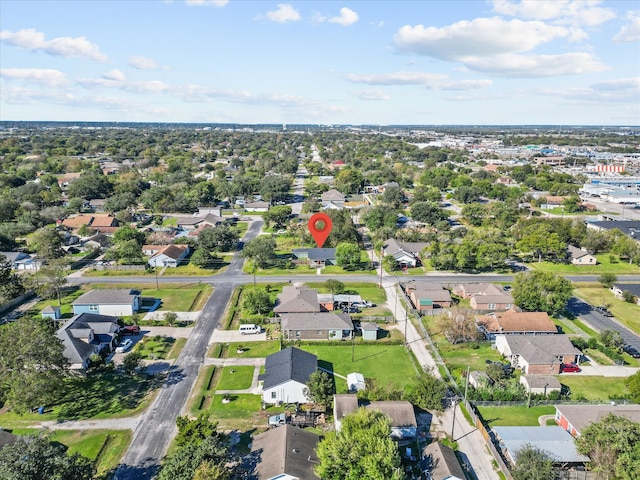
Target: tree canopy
{"type": "Point", "coordinates": [541, 291]}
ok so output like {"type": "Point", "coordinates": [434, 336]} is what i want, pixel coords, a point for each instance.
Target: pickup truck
{"type": "Point", "coordinates": [276, 420]}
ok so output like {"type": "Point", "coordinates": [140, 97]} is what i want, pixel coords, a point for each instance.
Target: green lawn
{"type": "Point", "coordinates": [517, 416]}
{"type": "Point", "coordinates": [190, 270]}
{"type": "Point", "coordinates": [242, 406]}
{"type": "Point", "coordinates": [104, 447]}
{"type": "Point", "coordinates": [594, 388]}
{"type": "Point", "coordinates": [388, 364]}
{"type": "Point", "coordinates": [106, 394]}
{"type": "Point", "coordinates": [235, 378]}
{"type": "Point", "coordinates": [177, 348]}
{"type": "Point", "coordinates": [596, 294]}
{"type": "Point", "coordinates": [460, 356]}
{"type": "Point", "coordinates": [604, 266]}
{"type": "Point", "coordinates": [156, 347]}
{"type": "Point", "coordinates": [367, 290]}
{"type": "Point", "coordinates": [253, 349]}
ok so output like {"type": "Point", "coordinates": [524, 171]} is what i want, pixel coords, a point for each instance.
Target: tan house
{"type": "Point", "coordinates": [99, 222]}
{"type": "Point", "coordinates": [294, 299]}
{"type": "Point", "coordinates": [515, 323]}
{"type": "Point", "coordinates": [485, 296]}
{"type": "Point", "coordinates": [580, 257]}
{"type": "Point", "coordinates": [316, 326]}
{"type": "Point", "coordinates": [332, 197]}
{"type": "Point", "coordinates": [427, 296]}
{"type": "Point", "coordinates": [539, 354]}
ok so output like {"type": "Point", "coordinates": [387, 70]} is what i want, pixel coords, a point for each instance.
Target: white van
{"type": "Point", "coordinates": [250, 329]}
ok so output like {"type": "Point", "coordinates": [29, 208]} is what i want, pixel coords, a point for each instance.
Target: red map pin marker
{"type": "Point", "coordinates": [320, 234]}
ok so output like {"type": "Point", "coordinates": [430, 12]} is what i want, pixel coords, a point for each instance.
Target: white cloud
{"type": "Point", "coordinates": [142, 63]}
{"type": "Point", "coordinates": [44, 76]}
{"type": "Point", "coordinates": [630, 32]}
{"type": "Point", "coordinates": [114, 74]}
{"type": "Point", "coordinates": [67, 47]}
{"type": "Point", "coordinates": [199, 3]}
{"type": "Point", "coordinates": [432, 81]}
{"type": "Point", "coordinates": [511, 65]}
{"type": "Point", "coordinates": [482, 37]}
{"type": "Point", "coordinates": [370, 95]}
{"type": "Point", "coordinates": [574, 12]}
{"type": "Point", "coordinates": [623, 90]}
{"type": "Point", "coordinates": [284, 13]}
{"type": "Point", "coordinates": [347, 17]}
{"type": "Point", "coordinates": [631, 85]}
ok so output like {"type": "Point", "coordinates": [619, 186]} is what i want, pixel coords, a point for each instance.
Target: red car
{"type": "Point", "coordinates": [570, 368]}
{"type": "Point", "coordinates": [130, 330]}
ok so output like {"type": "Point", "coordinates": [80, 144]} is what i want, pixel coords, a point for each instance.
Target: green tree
{"type": "Point", "coordinates": [274, 188]}
{"type": "Point", "coordinates": [361, 449]}
{"type": "Point", "coordinates": [10, 284]}
{"type": "Point", "coordinates": [211, 471]}
{"type": "Point", "coordinates": [613, 445]}
{"type": "Point", "coordinates": [429, 391]}
{"type": "Point", "coordinates": [186, 460]}
{"type": "Point", "coordinates": [131, 362]}
{"type": "Point", "coordinates": [607, 279]}
{"type": "Point", "coordinates": [262, 250]}
{"type": "Point", "coordinates": [195, 431]}
{"type": "Point", "coordinates": [428, 212]}
{"type": "Point", "coordinates": [348, 256]}
{"type": "Point", "coordinates": [334, 286]}
{"type": "Point", "coordinates": [35, 457]}
{"type": "Point", "coordinates": [611, 339]}
{"type": "Point", "coordinates": [349, 181]}
{"type": "Point", "coordinates": [278, 215]}
{"type": "Point", "coordinates": [539, 240]}
{"type": "Point", "coordinates": [571, 204]}
{"type": "Point", "coordinates": [202, 258]}
{"type": "Point", "coordinates": [532, 463]}
{"type": "Point", "coordinates": [50, 280]}
{"type": "Point", "coordinates": [219, 239]}
{"type": "Point", "coordinates": [257, 301]}
{"type": "Point", "coordinates": [541, 291]}
{"type": "Point", "coordinates": [320, 388]}
{"type": "Point", "coordinates": [633, 384]}
{"type": "Point", "coordinates": [47, 244]}
{"type": "Point", "coordinates": [126, 233]}
{"type": "Point", "coordinates": [32, 365]}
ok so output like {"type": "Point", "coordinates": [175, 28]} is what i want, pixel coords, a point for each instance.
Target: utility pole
{"type": "Point", "coordinates": [466, 386]}
{"type": "Point", "coordinates": [453, 425]}
{"type": "Point", "coordinates": [156, 270]}
{"type": "Point", "coordinates": [381, 250]}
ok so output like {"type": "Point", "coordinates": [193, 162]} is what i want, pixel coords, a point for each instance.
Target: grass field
{"type": "Point", "coordinates": [596, 294]}
{"type": "Point", "coordinates": [156, 347]}
{"type": "Point", "coordinates": [253, 349]}
{"type": "Point", "coordinates": [235, 378]}
{"type": "Point", "coordinates": [241, 406]}
{"type": "Point", "coordinates": [177, 348]}
{"type": "Point", "coordinates": [604, 266]}
{"type": "Point", "coordinates": [595, 388]}
{"type": "Point", "coordinates": [518, 416]}
{"type": "Point", "coordinates": [388, 364]}
{"type": "Point", "coordinates": [104, 448]}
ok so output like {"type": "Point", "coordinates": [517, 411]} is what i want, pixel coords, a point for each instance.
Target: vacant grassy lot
{"type": "Point", "coordinates": [604, 266]}
{"type": "Point", "coordinates": [518, 416]}
{"type": "Point", "coordinates": [388, 364]}
{"type": "Point", "coordinates": [156, 347]}
{"type": "Point", "coordinates": [596, 294]}
{"type": "Point", "coordinates": [235, 378]}
{"type": "Point", "coordinates": [595, 388]}
{"type": "Point", "coordinates": [104, 447]}
{"type": "Point", "coordinates": [253, 349]}
{"type": "Point", "coordinates": [241, 407]}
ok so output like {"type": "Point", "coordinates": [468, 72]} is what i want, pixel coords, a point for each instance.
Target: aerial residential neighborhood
{"type": "Point", "coordinates": [472, 318]}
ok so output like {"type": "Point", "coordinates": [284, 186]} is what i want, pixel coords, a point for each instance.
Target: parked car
{"type": "Point", "coordinates": [603, 311]}
{"type": "Point", "coordinates": [124, 346]}
{"type": "Point", "coordinates": [631, 351]}
{"type": "Point", "coordinates": [570, 368]}
{"type": "Point", "coordinates": [130, 330]}
{"type": "Point", "coordinates": [351, 310]}
{"type": "Point", "coordinates": [279, 419]}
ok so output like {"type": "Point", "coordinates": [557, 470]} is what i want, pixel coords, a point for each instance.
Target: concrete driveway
{"type": "Point", "coordinates": [604, 371]}
{"type": "Point", "coordinates": [234, 336]}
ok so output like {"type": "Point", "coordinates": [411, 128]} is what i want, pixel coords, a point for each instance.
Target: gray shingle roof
{"type": "Point", "coordinates": [442, 463]}
{"type": "Point", "coordinates": [285, 450]}
{"type": "Point", "coordinates": [289, 364]}
{"type": "Point", "coordinates": [297, 299]}
{"type": "Point", "coordinates": [582, 415]}
{"type": "Point", "coordinates": [72, 333]}
{"type": "Point", "coordinates": [316, 321]}
{"type": "Point", "coordinates": [555, 441]}
{"type": "Point", "coordinates": [116, 296]}
{"type": "Point", "coordinates": [541, 349]}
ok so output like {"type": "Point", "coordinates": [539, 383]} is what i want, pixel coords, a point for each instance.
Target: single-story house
{"type": "Point", "coordinates": [286, 375]}
{"type": "Point", "coordinates": [401, 413]}
{"type": "Point", "coordinates": [515, 323]}
{"type": "Point", "coordinates": [51, 311]}
{"type": "Point", "coordinates": [618, 290]}
{"type": "Point", "coordinates": [332, 197]}
{"type": "Point", "coordinates": [406, 254]}
{"type": "Point", "coordinates": [296, 299]}
{"type": "Point", "coordinates": [427, 296]}
{"type": "Point", "coordinates": [256, 206]}
{"type": "Point", "coordinates": [485, 296]}
{"type": "Point", "coordinates": [574, 418]}
{"type": "Point", "coordinates": [284, 453]}
{"type": "Point", "coordinates": [536, 354]}
{"type": "Point", "coordinates": [314, 257]}
{"type": "Point", "coordinates": [540, 384]}
{"type": "Point", "coordinates": [580, 257]}
{"type": "Point", "coordinates": [440, 463]}
{"type": "Point", "coordinates": [118, 301]}
{"type": "Point", "coordinates": [20, 260]}
{"type": "Point", "coordinates": [554, 441]}
{"type": "Point", "coordinates": [316, 326]}
{"type": "Point", "coordinates": [87, 334]}
{"type": "Point", "coordinates": [98, 222]}
{"type": "Point", "coordinates": [195, 221]}
{"type": "Point", "coordinates": [169, 256]}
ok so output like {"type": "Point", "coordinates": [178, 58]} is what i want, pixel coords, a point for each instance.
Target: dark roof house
{"type": "Point", "coordinates": [286, 375]}
{"type": "Point", "coordinates": [86, 334]}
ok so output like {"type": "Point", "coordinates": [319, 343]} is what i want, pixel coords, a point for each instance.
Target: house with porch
{"type": "Point", "coordinates": [537, 354]}
{"type": "Point", "coordinates": [316, 326]}
{"type": "Point", "coordinates": [169, 256]}
{"type": "Point", "coordinates": [87, 334]}
{"type": "Point", "coordinates": [314, 257]}
{"type": "Point", "coordinates": [332, 199]}
{"type": "Point", "coordinates": [577, 256]}
{"type": "Point", "coordinates": [406, 254]}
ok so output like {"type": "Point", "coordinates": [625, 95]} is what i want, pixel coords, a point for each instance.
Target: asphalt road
{"type": "Point", "coordinates": [599, 322]}
{"type": "Point", "coordinates": [154, 433]}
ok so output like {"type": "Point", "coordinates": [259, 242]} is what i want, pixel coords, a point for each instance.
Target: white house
{"type": "Point", "coordinates": [286, 375]}
{"type": "Point", "coordinates": [118, 302]}
{"type": "Point", "coordinates": [169, 256]}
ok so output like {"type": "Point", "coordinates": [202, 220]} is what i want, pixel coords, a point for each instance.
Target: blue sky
{"type": "Point", "coordinates": [334, 62]}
